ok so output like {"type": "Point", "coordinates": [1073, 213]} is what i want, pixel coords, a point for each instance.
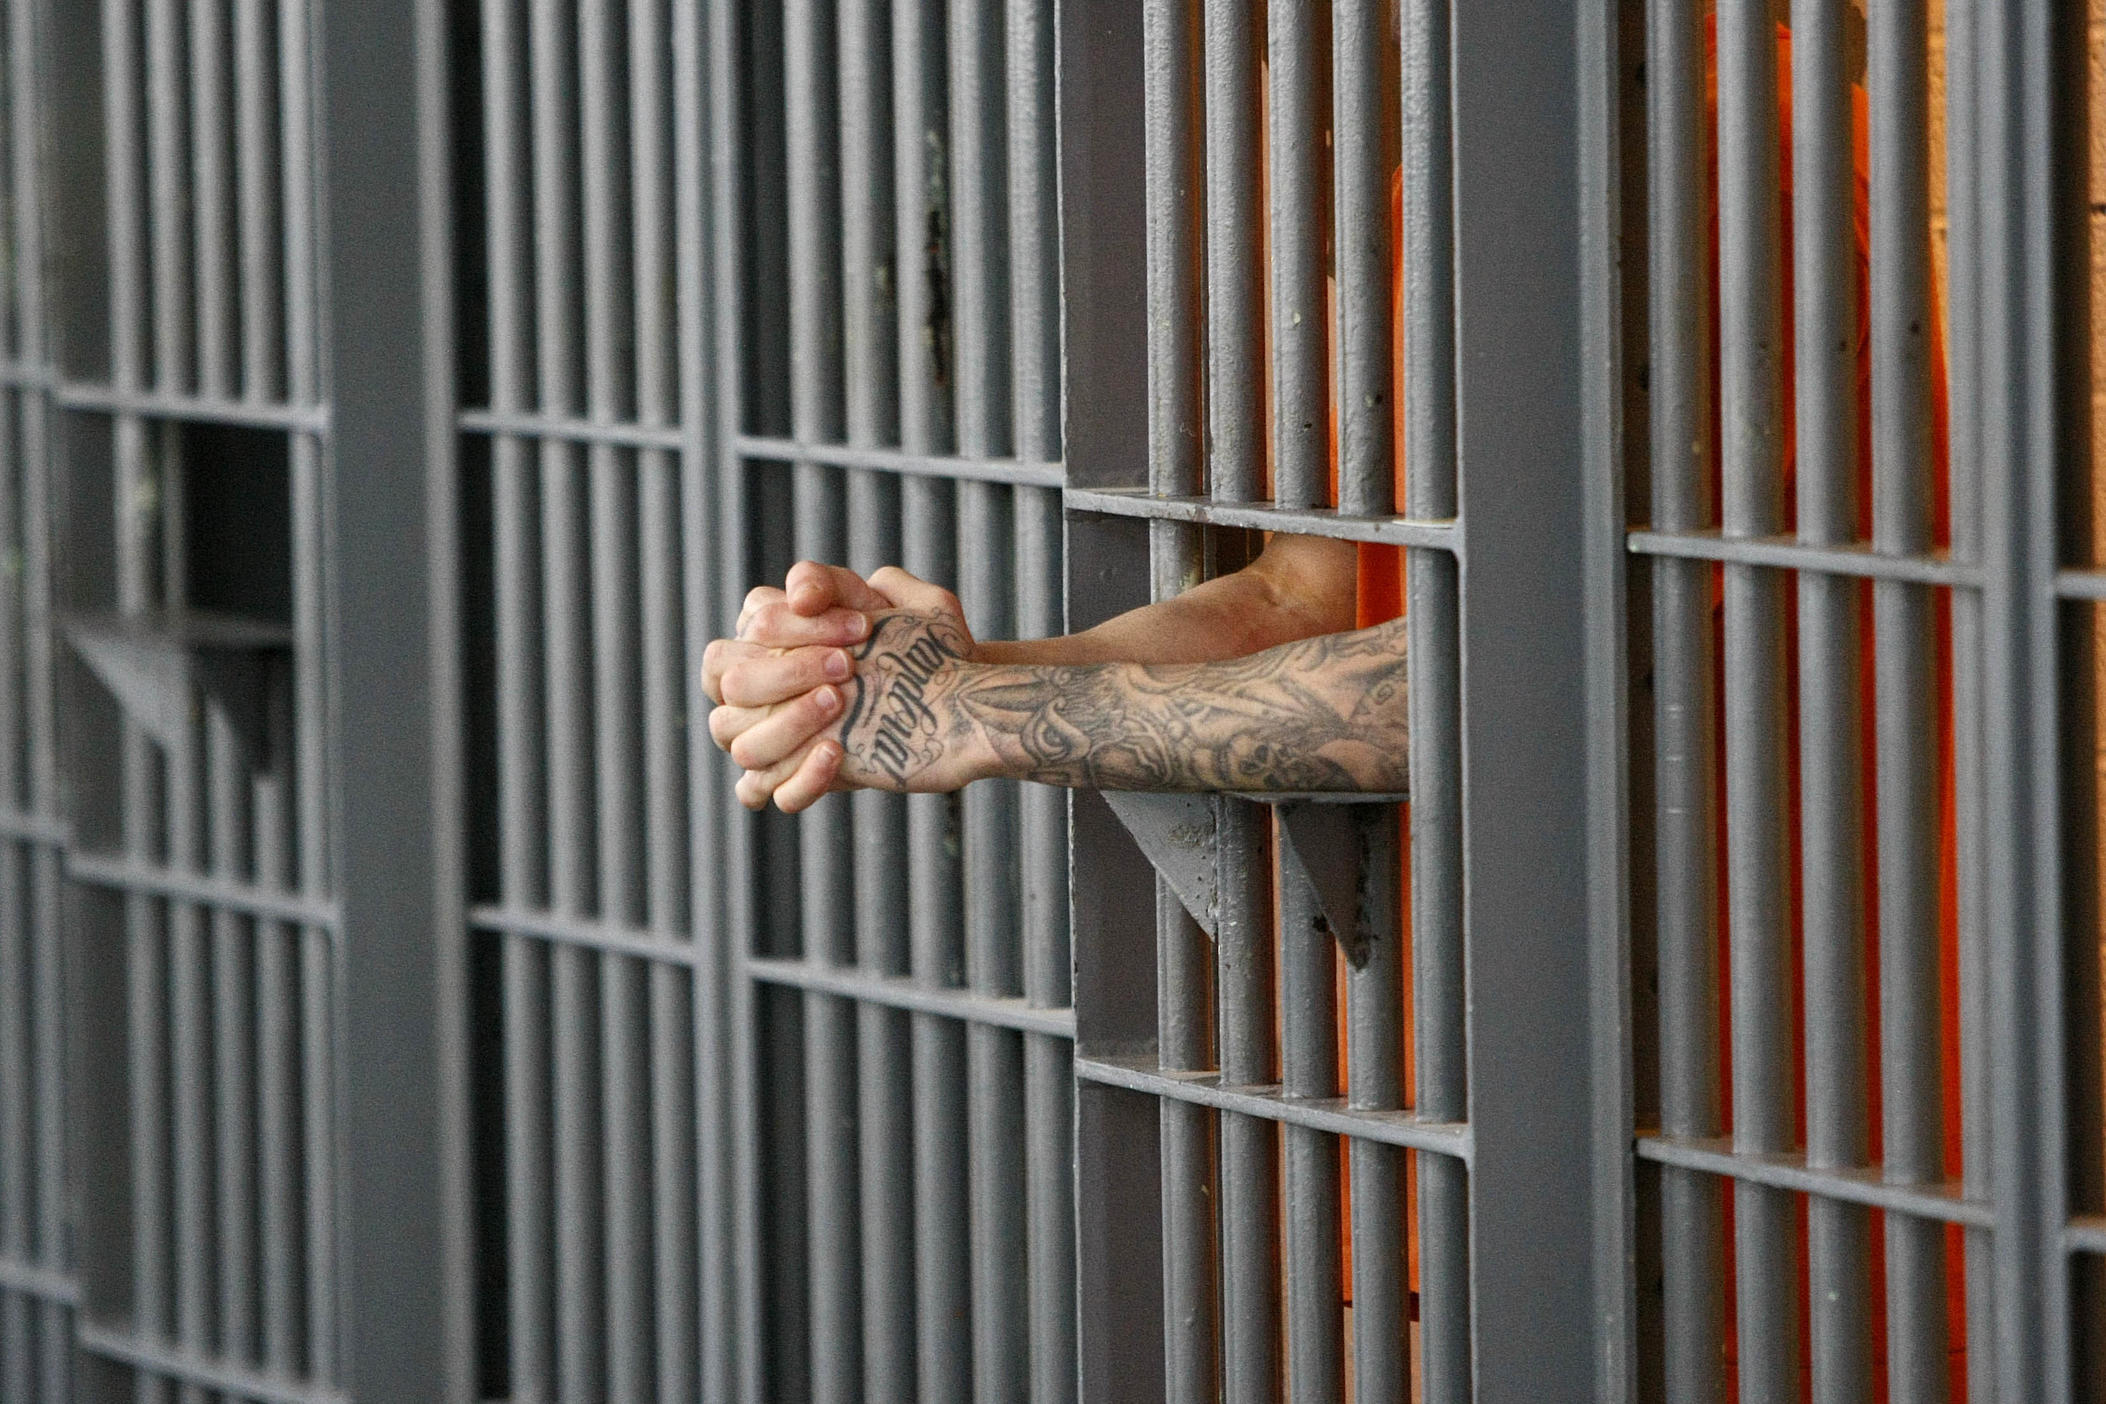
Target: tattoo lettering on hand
{"type": "Point", "coordinates": [893, 723]}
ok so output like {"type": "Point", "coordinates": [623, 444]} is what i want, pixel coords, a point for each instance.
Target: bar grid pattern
{"type": "Point", "coordinates": [189, 442]}
{"type": "Point", "coordinates": [1311, 1142]}
{"type": "Point", "coordinates": [1808, 888]}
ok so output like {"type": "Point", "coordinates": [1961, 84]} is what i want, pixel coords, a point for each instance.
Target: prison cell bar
{"type": "Point", "coordinates": [17, 1181]}
{"type": "Point", "coordinates": [522, 880]}
{"type": "Point", "coordinates": [1432, 589]}
{"type": "Point", "coordinates": [821, 530]}
{"type": "Point", "coordinates": [1042, 819]}
{"type": "Point", "coordinates": [1963, 359]}
{"type": "Point", "coordinates": [1756, 872]}
{"type": "Point", "coordinates": [32, 348]}
{"type": "Point", "coordinates": [1184, 988]}
{"type": "Point", "coordinates": [669, 1365]}
{"type": "Point", "coordinates": [1831, 800]}
{"type": "Point", "coordinates": [936, 955]}
{"type": "Point", "coordinates": [1692, 1210]}
{"type": "Point", "coordinates": [1299, 212]}
{"type": "Point", "coordinates": [613, 347]}
{"type": "Point", "coordinates": [1309, 1068]}
{"type": "Point", "coordinates": [986, 552]}
{"type": "Point", "coordinates": [870, 352]}
{"type": "Point", "coordinates": [1250, 1190]}
{"type": "Point", "coordinates": [1913, 1132]}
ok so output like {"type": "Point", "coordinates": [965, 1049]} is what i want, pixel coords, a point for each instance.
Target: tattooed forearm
{"type": "Point", "coordinates": [1325, 713]}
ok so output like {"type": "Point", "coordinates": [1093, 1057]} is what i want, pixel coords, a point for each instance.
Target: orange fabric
{"type": "Point", "coordinates": [1380, 597]}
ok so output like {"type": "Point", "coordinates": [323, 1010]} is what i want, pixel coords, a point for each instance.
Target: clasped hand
{"type": "Point", "coordinates": [835, 682]}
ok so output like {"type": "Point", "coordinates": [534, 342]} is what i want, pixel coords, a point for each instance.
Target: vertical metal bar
{"type": "Point", "coordinates": [1184, 986]}
{"type": "Point", "coordinates": [1692, 1213]}
{"type": "Point", "coordinates": [318, 985]}
{"type": "Point", "coordinates": [1250, 1183]}
{"type": "Point", "coordinates": [277, 1055]}
{"type": "Point", "coordinates": [1831, 800]}
{"type": "Point", "coordinates": [1298, 197]}
{"type": "Point", "coordinates": [659, 399]}
{"type": "Point", "coordinates": [1034, 300]}
{"type": "Point", "coordinates": [1756, 795]}
{"type": "Point", "coordinates": [233, 1043]}
{"type": "Point", "coordinates": [522, 880]}
{"type": "Point", "coordinates": [826, 872]}
{"type": "Point", "coordinates": [256, 163]}
{"type": "Point", "coordinates": [1364, 122]}
{"type": "Point", "coordinates": [169, 175]}
{"type": "Point", "coordinates": [1234, 30]}
{"type": "Point", "coordinates": [1434, 598]}
{"type": "Point", "coordinates": [870, 271]}
{"type": "Point", "coordinates": [578, 1285]}
{"type": "Point", "coordinates": [1904, 654]}
{"type": "Point", "coordinates": [936, 953]}
{"type": "Point", "coordinates": [1309, 1068]}
{"type": "Point", "coordinates": [212, 207]}
{"type": "Point", "coordinates": [1375, 1082]}
{"type": "Point", "coordinates": [2022, 248]}
{"type": "Point", "coordinates": [1971, 842]}
{"type": "Point", "coordinates": [994, 1072]}
{"type": "Point", "coordinates": [1522, 293]}
{"type": "Point", "coordinates": [617, 723]}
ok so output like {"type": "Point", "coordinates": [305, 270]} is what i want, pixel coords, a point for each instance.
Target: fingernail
{"type": "Point", "coordinates": [858, 626]}
{"type": "Point", "coordinates": [837, 666]}
{"type": "Point", "coordinates": [828, 699]}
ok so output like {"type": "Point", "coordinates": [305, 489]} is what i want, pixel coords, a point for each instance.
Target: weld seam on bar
{"type": "Point", "coordinates": [952, 467]}
{"type": "Point", "coordinates": [1787, 553]}
{"type": "Point", "coordinates": [2086, 1234]}
{"type": "Point", "coordinates": [612, 938]}
{"type": "Point", "coordinates": [152, 880]}
{"type": "Point", "coordinates": [571, 429]}
{"type": "Point", "coordinates": [1790, 1172]}
{"type": "Point", "coordinates": [45, 1284]}
{"type": "Point", "coordinates": [2080, 584]}
{"type": "Point", "coordinates": [192, 1369]}
{"type": "Point", "coordinates": [1332, 1114]}
{"type": "Point", "coordinates": [20, 826]}
{"type": "Point", "coordinates": [896, 992]}
{"type": "Point", "coordinates": [209, 409]}
{"type": "Point", "coordinates": [1388, 531]}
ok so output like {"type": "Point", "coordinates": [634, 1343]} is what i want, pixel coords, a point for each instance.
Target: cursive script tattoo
{"type": "Point", "coordinates": [892, 723]}
{"type": "Point", "coordinates": [1326, 713]}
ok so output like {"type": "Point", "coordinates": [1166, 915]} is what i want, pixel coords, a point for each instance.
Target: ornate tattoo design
{"type": "Point", "coordinates": [1325, 713]}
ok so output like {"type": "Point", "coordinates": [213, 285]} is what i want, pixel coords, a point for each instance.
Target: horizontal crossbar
{"type": "Point", "coordinates": [225, 894]}
{"type": "Point", "coordinates": [1332, 1114]}
{"type": "Point", "coordinates": [1941, 1202]}
{"type": "Point", "coordinates": [897, 992]}
{"type": "Point", "coordinates": [1263, 516]}
{"type": "Point", "coordinates": [1787, 553]}
{"type": "Point", "coordinates": [927, 465]}
{"type": "Point", "coordinates": [192, 1368]}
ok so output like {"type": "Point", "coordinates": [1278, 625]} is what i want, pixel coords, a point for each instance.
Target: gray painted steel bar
{"type": "Point", "coordinates": [234, 1015]}
{"type": "Point", "coordinates": [255, 91]}
{"type": "Point", "coordinates": [1318, 521]}
{"type": "Point", "coordinates": [520, 794]}
{"type": "Point", "coordinates": [669, 1068]}
{"type": "Point", "coordinates": [1299, 210]}
{"type": "Point", "coordinates": [617, 722]}
{"type": "Point", "coordinates": [870, 352]}
{"type": "Point", "coordinates": [1905, 680]}
{"type": "Point", "coordinates": [168, 174]}
{"type": "Point", "coordinates": [1855, 560]}
{"type": "Point", "coordinates": [277, 1056]}
{"type": "Point", "coordinates": [1831, 763]}
{"type": "Point", "coordinates": [212, 198]}
{"type": "Point", "coordinates": [1184, 988]}
{"type": "Point", "coordinates": [1309, 1068]}
{"type": "Point", "coordinates": [1381, 1282]}
{"type": "Point", "coordinates": [577, 1287]}
{"type": "Point", "coordinates": [1790, 1170]}
{"type": "Point", "coordinates": [1365, 151]}
{"type": "Point", "coordinates": [1433, 596]}
{"type": "Point", "coordinates": [986, 536]}
{"type": "Point", "coordinates": [1750, 414]}
{"type": "Point", "coordinates": [1250, 1148]}
{"type": "Point", "coordinates": [1971, 842]}
{"type": "Point", "coordinates": [318, 980]}
{"type": "Point", "coordinates": [921, 190]}
{"type": "Point", "coordinates": [1234, 32]}
{"type": "Point", "coordinates": [1042, 820]}
{"type": "Point", "coordinates": [824, 836]}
